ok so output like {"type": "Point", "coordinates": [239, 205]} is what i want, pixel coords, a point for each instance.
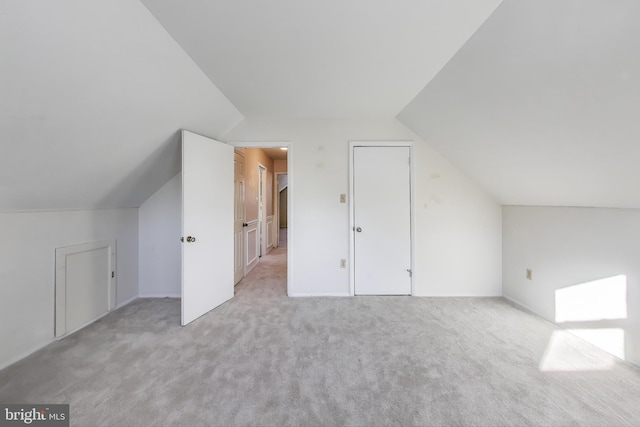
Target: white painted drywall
{"type": "Point", "coordinates": [159, 241]}
{"type": "Point", "coordinates": [458, 231]}
{"type": "Point", "coordinates": [93, 96]}
{"type": "Point", "coordinates": [27, 271]}
{"type": "Point", "coordinates": [458, 227]}
{"type": "Point", "coordinates": [570, 246]}
{"type": "Point", "coordinates": [321, 59]}
{"type": "Point", "coordinates": [540, 106]}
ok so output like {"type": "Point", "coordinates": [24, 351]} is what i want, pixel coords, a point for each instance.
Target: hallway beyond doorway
{"type": "Point", "coordinates": [269, 277]}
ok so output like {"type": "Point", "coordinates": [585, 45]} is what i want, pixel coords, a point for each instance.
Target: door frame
{"type": "Point", "coordinates": [262, 211]}
{"type": "Point", "coordinates": [244, 218]}
{"type": "Point", "coordinates": [60, 285]}
{"type": "Point", "coordinates": [352, 250]}
{"type": "Point", "coordinates": [276, 205]}
{"type": "Point", "coordinates": [290, 199]}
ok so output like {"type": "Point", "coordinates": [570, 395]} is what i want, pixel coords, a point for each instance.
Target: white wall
{"type": "Point", "coordinates": [458, 227]}
{"type": "Point", "coordinates": [93, 96]}
{"type": "Point", "coordinates": [27, 270]}
{"type": "Point", "coordinates": [160, 247]}
{"type": "Point", "coordinates": [570, 246]}
{"type": "Point", "coordinates": [458, 231]}
{"type": "Point", "coordinates": [539, 105]}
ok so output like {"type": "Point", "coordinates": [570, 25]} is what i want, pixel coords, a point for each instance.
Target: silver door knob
{"type": "Point", "coordinates": [359, 229]}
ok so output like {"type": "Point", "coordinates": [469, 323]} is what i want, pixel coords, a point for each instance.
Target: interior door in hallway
{"type": "Point", "coordinates": [239, 217]}
{"type": "Point", "coordinates": [262, 209]}
{"type": "Point", "coordinates": [382, 220]}
{"type": "Point", "coordinates": [207, 224]}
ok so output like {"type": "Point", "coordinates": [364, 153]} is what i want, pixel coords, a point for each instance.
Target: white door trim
{"type": "Point", "coordinates": [352, 145]}
{"type": "Point", "coordinates": [239, 251]}
{"type": "Point", "coordinates": [262, 209]}
{"type": "Point", "coordinates": [250, 260]}
{"type": "Point", "coordinates": [276, 207]}
{"type": "Point", "coordinates": [290, 198]}
{"type": "Point", "coordinates": [61, 254]}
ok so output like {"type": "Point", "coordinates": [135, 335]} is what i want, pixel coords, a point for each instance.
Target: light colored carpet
{"type": "Point", "coordinates": [266, 359]}
{"type": "Point", "coordinates": [282, 239]}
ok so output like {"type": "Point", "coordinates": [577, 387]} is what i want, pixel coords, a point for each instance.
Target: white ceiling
{"type": "Point", "coordinates": [541, 106]}
{"type": "Point", "coordinates": [321, 59]}
{"type": "Point", "coordinates": [92, 97]}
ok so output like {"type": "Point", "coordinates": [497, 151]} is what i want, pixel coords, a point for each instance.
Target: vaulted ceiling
{"type": "Point", "coordinates": [93, 94]}
{"type": "Point", "coordinates": [321, 59]}
{"type": "Point", "coordinates": [541, 106]}
{"type": "Point", "coordinates": [533, 99]}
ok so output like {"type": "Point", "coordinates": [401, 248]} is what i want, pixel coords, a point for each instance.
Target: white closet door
{"type": "Point", "coordinates": [382, 214]}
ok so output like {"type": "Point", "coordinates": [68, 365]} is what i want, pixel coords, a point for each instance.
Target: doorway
{"type": "Point", "coordinates": [238, 217]}
{"type": "Point", "coordinates": [381, 237]}
{"type": "Point", "coordinates": [263, 163]}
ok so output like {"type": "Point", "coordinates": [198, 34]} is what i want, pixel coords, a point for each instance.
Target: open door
{"type": "Point", "coordinates": [207, 225]}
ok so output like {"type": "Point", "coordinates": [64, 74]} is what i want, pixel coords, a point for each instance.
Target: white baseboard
{"type": "Point", "coordinates": [524, 308]}
{"type": "Point", "coordinates": [160, 296]}
{"type": "Point", "coordinates": [634, 362]}
{"type": "Point", "coordinates": [54, 339]}
{"type": "Point", "coordinates": [248, 269]}
{"type": "Point", "coordinates": [459, 296]}
{"type": "Point", "coordinates": [330, 294]}
{"type": "Point", "coordinates": [346, 294]}
{"type": "Point", "coordinates": [123, 303]}
{"type": "Point", "coordinates": [79, 328]}
{"type": "Point", "coordinates": [27, 353]}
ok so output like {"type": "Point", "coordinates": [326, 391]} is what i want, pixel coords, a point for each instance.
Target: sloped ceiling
{"type": "Point", "coordinates": [321, 59]}
{"type": "Point", "coordinates": [541, 105]}
{"type": "Point", "coordinates": [93, 94]}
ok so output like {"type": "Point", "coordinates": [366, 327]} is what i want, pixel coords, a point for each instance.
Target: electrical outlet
{"type": "Point", "coordinates": [343, 263]}
{"type": "Point", "coordinates": [343, 198]}
{"type": "Point", "coordinates": [529, 274]}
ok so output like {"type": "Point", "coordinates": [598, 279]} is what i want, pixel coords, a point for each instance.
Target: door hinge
{"type": "Point", "coordinates": [410, 272]}
{"type": "Point", "coordinates": [409, 161]}
{"type": "Point", "coordinates": [113, 274]}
